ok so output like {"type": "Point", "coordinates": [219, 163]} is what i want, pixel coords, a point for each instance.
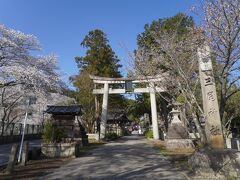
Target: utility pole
{"type": "Point", "coordinates": [30, 100]}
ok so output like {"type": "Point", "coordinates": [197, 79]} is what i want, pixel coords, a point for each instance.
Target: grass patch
{"type": "Point", "coordinates": [172, 152]}
{"type": "Point", "coordinates": [178, 157]}
{"type": "Point", "coordinates": [160, 145]}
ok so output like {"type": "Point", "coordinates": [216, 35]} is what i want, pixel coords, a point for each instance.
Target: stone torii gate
{"type": "Point", "coordinates": [127, 87]}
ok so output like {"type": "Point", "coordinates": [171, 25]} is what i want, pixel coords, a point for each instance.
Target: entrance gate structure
{"type": "Point", "coordinates": [127, 85]}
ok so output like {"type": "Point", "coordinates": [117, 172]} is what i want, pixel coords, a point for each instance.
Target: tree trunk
{"type": "Point", "coordinates": [200, 130]}
{"type": "Point", "coordinates": [223, 102]}
{"type": "Point", "coordinates": [2, 129]}
{"type": "Point", "coordinates": [165, 114]}
{"type": "Point", "coordinates": [3, 122]}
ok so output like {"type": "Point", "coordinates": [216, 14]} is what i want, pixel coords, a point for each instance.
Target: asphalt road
{"type": "Point", "coordinates": [129, 158]}
{"type": "Point", "coordinates": [6, 149]}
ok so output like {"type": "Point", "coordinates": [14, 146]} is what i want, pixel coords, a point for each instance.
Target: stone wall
{"type": "Point", "coordinates": [93, 137]}
{"type": "Point", "coordinates": [55, 150]}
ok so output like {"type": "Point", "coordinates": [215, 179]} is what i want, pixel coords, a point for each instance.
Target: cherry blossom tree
{"type": "Point", "coordinates": [23, 74]}
{"type": "Point", "coordinates": [178, 55]}
{"type": "Point", "coordinates": [168, 48]}
{"type": "Point", "coordinates": [222, 26]}
{"type": "Point", "coordinates": [18, 66]}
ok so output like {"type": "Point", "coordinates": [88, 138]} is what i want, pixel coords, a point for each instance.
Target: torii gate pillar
{"type": "Point", "coordinates": [154, 113]}
{"type": "Point", "coordinates": [104, 111]}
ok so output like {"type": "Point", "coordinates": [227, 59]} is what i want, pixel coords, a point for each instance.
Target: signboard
{"type": "Point", "coordinates": [128, 86]}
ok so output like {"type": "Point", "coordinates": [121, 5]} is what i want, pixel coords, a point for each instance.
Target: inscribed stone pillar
{"type": "Point", "coordinates": [154, 112]}
{"type": "Point", "coordinates": [213, 125]}
{"type": "Point", "coordinates": [104, 111]}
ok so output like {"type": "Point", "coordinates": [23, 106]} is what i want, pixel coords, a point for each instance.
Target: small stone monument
{"type": "Point", "coordinates": [12, 159]}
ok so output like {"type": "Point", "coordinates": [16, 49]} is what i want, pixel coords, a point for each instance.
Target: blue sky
{"type": "Point", "coordinates": [60, 25]}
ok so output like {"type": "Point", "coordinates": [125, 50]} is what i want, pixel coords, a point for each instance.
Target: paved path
{"type": "Point", "coordinates": [5, 150]}
{"type": "Point", "coordinates": [129, 158]}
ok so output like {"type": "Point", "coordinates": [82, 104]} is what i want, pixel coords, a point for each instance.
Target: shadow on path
{"type": "Point", "coordinates": [130, 157]}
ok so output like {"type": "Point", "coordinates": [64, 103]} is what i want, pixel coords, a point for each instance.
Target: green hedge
{"type": "Point", "coordinates": [148, 134]}
{"type": "Point", "coordinates": [111, 136]}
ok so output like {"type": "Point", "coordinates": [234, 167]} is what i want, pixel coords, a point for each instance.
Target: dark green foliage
{"type": "Point", "coordinates": [48, 132]}
{"type": "Point", "coordinates": [146, 41]}
{"type": "Point", "coordinates": [136, 108]}
{"type": "Point", "coordinates": [53, 134]}
{"type": "Point", "coordinates": [148, 134]}
{"type": "Point", "coordinates": [179, 23]}
{"type": "Point", "coordinates": [100, 59]}
{"type": "Point", "coordinates": [111, 136]}
{"type": "Point", "coordinates": [59, 134]}
{"type": "Point", "coordinates": [232, 114]}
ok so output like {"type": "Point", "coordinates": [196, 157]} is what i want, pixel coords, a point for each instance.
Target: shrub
{"type": "Point", "coordinates": [111, 136]}
{"type": "Point", "coordinates": [48, 132]}
{"type": "Point", "coordinates": [59, 135]}
{"type": "Point", "coordinates": [126, 133]}
{"type": "Point", "coordinates": [51, 134]}
{"type": "Point", "coordinates": [148, 134]}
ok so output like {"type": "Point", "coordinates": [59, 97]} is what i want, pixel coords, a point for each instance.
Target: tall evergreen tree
{"type": "Point", "coordinates": [180, 23]}
{"type": "Point", "coordinates": [100, 60]}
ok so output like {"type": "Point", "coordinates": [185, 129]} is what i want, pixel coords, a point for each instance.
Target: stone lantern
{"type": "Point", "coordinates": [175, 113]}
{"type": "Point", "coordinates": [177, 134]}
{"type": "Point", "coordinates": [176, 128]}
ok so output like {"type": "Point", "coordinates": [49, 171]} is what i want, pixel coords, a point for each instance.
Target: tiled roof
{"type": "Point", "coordinates": [117, 118]}
{"type": "Point", "coordinates": [64, 110]}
